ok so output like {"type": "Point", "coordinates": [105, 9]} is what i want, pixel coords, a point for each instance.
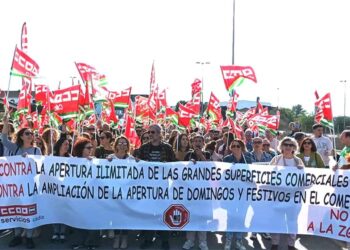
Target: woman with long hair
{"type": "Point", "coordinates": [122, 152]}
{"type": "Point", "coordinates": [105, 147]}
{"type": "Point", "coordinates": [308, 154]}
{"type": "Point", "coordinates": [22, 146]}
{"type": "Point", "coordinates": [181, 146]}
{"type": "Point", "coordinates": [83, 148]}
{"type": "Point", "coordinates": [61, 149]}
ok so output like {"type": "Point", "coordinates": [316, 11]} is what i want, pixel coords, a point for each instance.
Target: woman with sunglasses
{"type": "Point", "coordinates": [105, 148]}
{"type": "Point", "coordinates": [22, 146]}
{"type": "Point", "coordinates": [288, 148]}
{"type": "Point", "coordinates": [267, 148]}
{"type": "Point", "coordinates": [122, 152]}
{"type": "Point", "coordinates": [259, 156]}
{"type": "Point", "coordinates": [83, 148]}
{"type": "Point", "coordinates": [238, 154]}
{"type": "Point", "coordinates": [308, 154]}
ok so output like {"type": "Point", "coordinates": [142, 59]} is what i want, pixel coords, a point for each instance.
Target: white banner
{"type": "Point", "coordinates": [207, 196]}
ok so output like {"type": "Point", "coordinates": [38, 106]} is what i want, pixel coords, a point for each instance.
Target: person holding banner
{"type": "Point", "coordinates": [259, 156]}
{"type": "Point", "coordinates": [308, 153]}
{"type": "Point", "coordinates": [23, 146]}
{"type": "Point", "coordinates": [105, 149]}
{"type": "Point", "coordinates": [156, 151]}
{"type": "Point", "coordinates": [194, 155]}
{"type": "Point", "coordinates": [288, 148]}
{"type": "Point", "coordinates": [238, 154]}
{"type": "Point", "coordinates": [121, 151]}
{"type": "Point", "coordinates": [61, 149]}
{"type": "Point", "coordinates": [87, 238]}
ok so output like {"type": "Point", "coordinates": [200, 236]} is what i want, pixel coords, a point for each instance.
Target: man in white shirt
{"type": "Point", "coordinates": [323, 144]}
{"type": "Point", "coordinates": [272, 139]}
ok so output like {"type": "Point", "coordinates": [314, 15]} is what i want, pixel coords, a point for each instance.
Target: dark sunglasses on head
{"type": "Point", "coordinates": [28, 133]}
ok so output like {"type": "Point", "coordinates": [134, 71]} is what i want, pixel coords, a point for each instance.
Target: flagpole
{"type": "Point", "coordinates": [9, 83]}
{"type": "Point", "coordinates": [233, 32]}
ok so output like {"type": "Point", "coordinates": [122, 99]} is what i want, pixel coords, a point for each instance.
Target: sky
{"type": "Point", "coordinates": [294, 46]}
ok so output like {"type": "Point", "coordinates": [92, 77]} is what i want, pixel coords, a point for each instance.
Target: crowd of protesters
{"type": "Point", "coordinates": [166, 144]}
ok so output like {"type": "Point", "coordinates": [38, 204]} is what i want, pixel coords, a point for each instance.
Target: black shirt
{"type": "Point", "coordinates": [193, 156]}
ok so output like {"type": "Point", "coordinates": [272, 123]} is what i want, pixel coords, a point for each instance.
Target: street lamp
{"type": "Point", "coordinates": [344, 81]}
{"type": "Point", "coordinates": [202, 69]}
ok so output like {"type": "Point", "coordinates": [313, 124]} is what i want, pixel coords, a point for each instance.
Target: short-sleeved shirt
{"type": "Point", "coordinates": [324, 147]}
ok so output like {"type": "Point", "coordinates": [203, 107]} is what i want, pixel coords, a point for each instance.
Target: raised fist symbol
{"type": "Point", "coordinates": [176, 217]}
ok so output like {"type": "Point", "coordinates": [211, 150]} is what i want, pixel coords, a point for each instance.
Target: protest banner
{"type": "Point", "coordinates": [206, 196]}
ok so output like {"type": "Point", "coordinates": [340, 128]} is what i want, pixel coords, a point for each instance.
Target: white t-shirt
{"type": "Point", "coordinates": [324, 148]}
{"type": "Point", "coordinates": [274, 144]}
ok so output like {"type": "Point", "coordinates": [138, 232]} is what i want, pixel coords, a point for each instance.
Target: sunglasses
{"type": "Point", "coordinates": [236, 146]}
{"type": "Point", "coordinates": [307, 143]}
{"type": "Point", "coordinates": [288, 145]}
{"type": "Point", "coordinates": [89, 147]}
{"type": "Point", "coordinates": [27, 133]}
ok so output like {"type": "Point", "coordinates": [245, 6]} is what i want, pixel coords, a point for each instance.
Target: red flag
{"type": "Point", "coordinates": [130, 132]}
{"type": "Point", "coordinates": [185, 116]}
{"type": "Point", "coordinates": [196, 87]}
{"type": "Point", "coordinates": [24, 98]}
{"type": "Point", "coordinates": [42, 93]}
{"type": "Point", "coordinates": [112, 115]}
{"type": "Point", "coordinates": [195, 103]}
{"type": "Point", "coordinates": [66, 102]}
{"type": "Point", "coordinates": [234, 76]}
{"type": "Point", "coordinates": [269, 121]}
{"type": "Point", "coordinates": [24, 38]}
{"type": "Point", "coordinates": [153, 101]}
{"type": "Point", "coordinates": [162, 100]}
{"type": "Point", "coordinates": [120, 99]}
{"type": "Point", "coordinates": [152, 82]}
{"type": "Point", "coordinates": [23, 65]}
{"type": "Point", "coordinates": [214, 109]}
{"type": "Point", "coordinates": [324, 112]}
{"type": "Point", "coordinates": [4, 100]}
{"type": "Point", "coordinates": [141, 107]}
{"type": "Point", "coordinates": [232, 104]}
{"type": "Point", "coordinates": [86, 71]}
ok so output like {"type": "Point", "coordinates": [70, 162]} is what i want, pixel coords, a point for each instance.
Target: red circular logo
{"type": "Point", "coordinates": [176, 216]}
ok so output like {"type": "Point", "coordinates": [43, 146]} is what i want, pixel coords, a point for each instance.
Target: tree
{"type": "Point", "coordinates": [298, 111]}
